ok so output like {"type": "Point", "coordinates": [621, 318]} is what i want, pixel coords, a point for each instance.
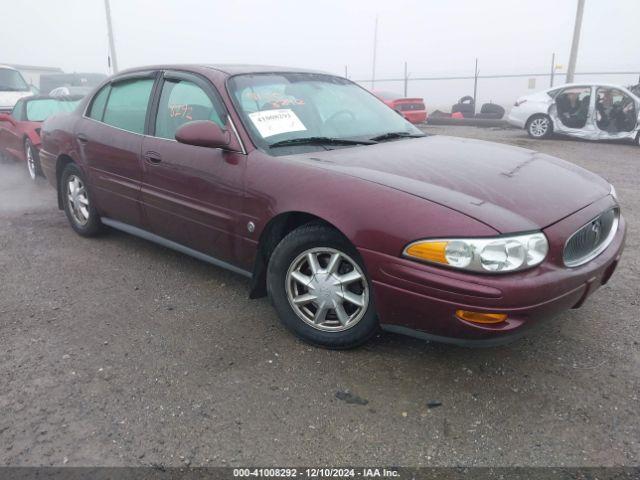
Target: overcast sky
{"type": "Point", "coordinates": [434, 36]}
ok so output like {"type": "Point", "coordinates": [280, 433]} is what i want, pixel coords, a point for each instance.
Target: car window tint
{"type": "Point", "coordinates": [127, 104]}
{"type": "Point", "coordinates": [182, 101]}
{"type": "Point", "coordinates": [38, 110]}
{"type": "Point", "coordinates": [99, 101]}
{"type": "Point", "coordinates": [17, 110]}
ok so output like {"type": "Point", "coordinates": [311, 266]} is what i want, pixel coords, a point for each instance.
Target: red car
{"type": "Point", "coordinates": [413, 109]}
{"type": "Point", "coordinates": [20, 129]}
{"type": "Point", "coordinates": [346, 215]}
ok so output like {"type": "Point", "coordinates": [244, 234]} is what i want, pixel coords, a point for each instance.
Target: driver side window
{"type": "Point", "coordinates": [182, 101]}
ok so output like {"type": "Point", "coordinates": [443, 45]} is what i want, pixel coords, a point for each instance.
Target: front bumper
{"type": "Point", "coordinates": [421, 300]}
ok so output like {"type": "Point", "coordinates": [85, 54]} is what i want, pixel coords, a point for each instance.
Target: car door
{"type": "Point", "coordinates": [110, 138]}
{"type": "Point", "coordinates": [616, 113]}
{"type": "Point", "coordinates": [572, 111]}
{"type": "Point", "coordinates": [191, 195]}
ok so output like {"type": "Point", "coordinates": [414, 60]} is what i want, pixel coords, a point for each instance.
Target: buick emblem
{"type": "Point", "coordinates": [596, 229]}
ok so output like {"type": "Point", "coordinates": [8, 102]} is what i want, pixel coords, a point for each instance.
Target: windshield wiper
{"type": "Point", "coordinates": [394, 135]}
{"type": "Point", "coordinates": [320, 141]}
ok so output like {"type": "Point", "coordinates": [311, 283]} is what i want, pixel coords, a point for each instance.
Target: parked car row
{"type": "Point", "coordinates": [20, 128]}
{"type": "Point", "coordinates": [340, 210]}
{"type": "Point", "coordinates": [22, 111]}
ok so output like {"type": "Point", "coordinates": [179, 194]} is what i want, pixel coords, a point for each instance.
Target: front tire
{"type": "Point", "coordinates": [539, 126]}
{"type": "Point", "coordinates": [77, 203]}
{"type": "Point", "coordinates": [320, 290]}
{"type": "Point", "coordinates": [33, 160]}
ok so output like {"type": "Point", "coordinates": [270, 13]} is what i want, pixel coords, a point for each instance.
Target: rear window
{"type": "Point", "coordinates": [38, 110]}
{"type": "Point", "coordinates": [387, 95]}
{"type": "Point", "coordinates": [127, 104]}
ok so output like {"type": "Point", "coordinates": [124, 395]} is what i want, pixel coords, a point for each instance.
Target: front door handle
{"type": "Point", "coordinates": [82, 138]}
{"type": "Point", "coordinates": [153, 157]}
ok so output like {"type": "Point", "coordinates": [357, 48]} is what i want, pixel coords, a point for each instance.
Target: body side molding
{"type": "Point", "coordinates": [152, 237]}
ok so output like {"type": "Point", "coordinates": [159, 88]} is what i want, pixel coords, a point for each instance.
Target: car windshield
{"type": "Point", "coordinates": [12, 81]}
{"type": "Point", "coordinates": [38, 110]}
{"type": "Point", "coordinates": [284, 109]}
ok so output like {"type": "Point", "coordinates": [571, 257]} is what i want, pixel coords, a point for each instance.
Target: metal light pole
{"type": "Point", "coordinates": [553, 68]}
{"type": "Point", "coordinates": [375, 48]}
{"type": "Point", "coordinates": [113, 61]}
{"type": "Point", "coordinates": [571, 70]}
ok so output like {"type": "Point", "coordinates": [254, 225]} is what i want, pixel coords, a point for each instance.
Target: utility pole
{"type": "Point", "coordinates": [406, 79]}
{"type": "Point", "coordinates": [113, 61]}
{"type": "Point", "coordinates": [346, 71]}
{"type": "Point", "coordinates": [571, 70]}
{"type": "Point", "coordinates": [553, 68]}
{"type": "Point", "coordinates": [475, 87]}
{"type": "Point", "coordinates": [375, 48]}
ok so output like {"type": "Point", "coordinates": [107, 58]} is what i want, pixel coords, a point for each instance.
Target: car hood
{"type": "Point", "coordinates": [509, 188]}
{"type": "Point", "coordinates": [9, 99]}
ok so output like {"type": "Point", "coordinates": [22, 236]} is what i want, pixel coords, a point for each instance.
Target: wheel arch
{"type": "Point", "coordinates": [274, 231]}
{"type": "Point", "coordinates": [62, 161]}
{"type": "Point", "coordinates": [538, 114]}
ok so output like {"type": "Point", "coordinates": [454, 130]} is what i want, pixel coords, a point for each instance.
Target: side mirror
{"type": "Point", "coordinates": [203, 133]}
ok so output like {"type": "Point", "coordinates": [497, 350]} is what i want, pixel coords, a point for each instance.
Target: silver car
{"type": "Point", "coordinates": [591, 112]}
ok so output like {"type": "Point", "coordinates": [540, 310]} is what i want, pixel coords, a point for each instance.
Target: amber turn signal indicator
{"type": "Point", "coordinates": [478, 317]}
{"type": "Point", "coordinates": [431, 251]}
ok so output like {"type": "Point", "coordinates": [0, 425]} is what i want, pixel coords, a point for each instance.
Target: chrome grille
{"type": "Point", "coordinates": [591, 239]}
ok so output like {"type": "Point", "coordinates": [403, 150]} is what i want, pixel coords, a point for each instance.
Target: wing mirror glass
{"type": "Point", "coordinates": [203, 133]}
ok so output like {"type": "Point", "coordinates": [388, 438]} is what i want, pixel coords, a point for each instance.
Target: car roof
{"type": "Point", "coordinates": [585, 84]}
{"type": "Point", "coordinates": [7, 67]}
{"type": "Point", "coordinates": [227, 69]}
{"type": "Point", "coordinates": [64, 98]}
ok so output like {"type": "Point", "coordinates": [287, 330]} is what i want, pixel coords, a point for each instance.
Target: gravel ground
{"type": "Point", "coordinates": [115, 351]}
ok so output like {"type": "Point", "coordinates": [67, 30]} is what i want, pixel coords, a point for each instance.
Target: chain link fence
{"type": "Point", "coordinates": [441, 92]}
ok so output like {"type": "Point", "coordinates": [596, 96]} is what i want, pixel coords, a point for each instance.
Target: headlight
{"type": "Point", "coordinates": [494, 254]}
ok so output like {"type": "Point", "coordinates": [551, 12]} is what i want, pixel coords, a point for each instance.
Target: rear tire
{"type": "Point", "coordinates": [78, 202]}
{"type": "Point", "coordinates": [331, 308]}
{"type": "Point", "coordinates": [33, 160]}
{"type": "Point", "coordinates": [539, 126]}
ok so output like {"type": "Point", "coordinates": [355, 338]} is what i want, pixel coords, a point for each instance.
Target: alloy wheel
{"type": "Point", "coordinates": [31, 162]}
{"type": "Point", "coordinates": [78, 200]}
{"type": "Point", "coordinates": [327, 289]}
{"type": "Point", "coordinates": [539, 127]}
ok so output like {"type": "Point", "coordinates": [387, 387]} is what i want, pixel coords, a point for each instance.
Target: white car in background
{"type": "Point", "coordinates": [12, 88]}
{"type": "Point", "coordinates": [588, 111]}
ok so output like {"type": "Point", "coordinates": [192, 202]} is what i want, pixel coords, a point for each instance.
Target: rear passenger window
{"type": "Point", "coordinates": [97, 105]}
{"type": "Point", "coordinates": [183, 101]}
{"type": "Point", "coordinates": [127, 105]}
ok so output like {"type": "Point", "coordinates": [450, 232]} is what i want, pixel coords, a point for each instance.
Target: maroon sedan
{"type": "Point", "coordinates": [347, 216]}
{"type": "Point", "coordinates": [20, 129]}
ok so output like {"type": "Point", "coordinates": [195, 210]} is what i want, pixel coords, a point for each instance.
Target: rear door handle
{"type": "Point", "coordinates": [82, 138]}
{"type": "Point", "coordinates": [153, 157]}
